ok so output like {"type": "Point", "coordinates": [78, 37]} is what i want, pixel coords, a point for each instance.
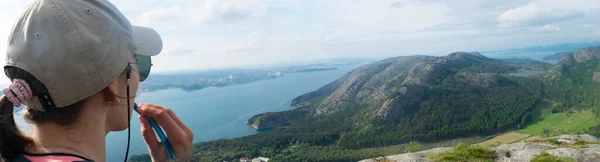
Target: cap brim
{"type": "Point", "coordinates": [147, 42]}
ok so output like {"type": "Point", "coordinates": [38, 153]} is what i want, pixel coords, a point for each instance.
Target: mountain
{"type": "Point", "coordinates": [573, 82]}
{"type": "Point", "coordinates": [394, 88]}
{"type": "Point", "coordinates": [556, 56]}
{"type": "Point", "coordinates": [556, 47]}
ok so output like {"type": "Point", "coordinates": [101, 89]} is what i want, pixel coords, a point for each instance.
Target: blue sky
{"type": "Point", "coordinates": [212, 34]}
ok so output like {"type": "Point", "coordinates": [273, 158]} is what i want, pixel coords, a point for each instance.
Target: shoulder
{"type": "Point", "coordinates": [49, 157]}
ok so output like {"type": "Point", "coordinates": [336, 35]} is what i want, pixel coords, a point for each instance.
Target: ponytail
{"type": "Point", "coordinates": [12, 140]}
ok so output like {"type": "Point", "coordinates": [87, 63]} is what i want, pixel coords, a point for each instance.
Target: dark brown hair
{"type": "Point", "coordinates": [12, 140]}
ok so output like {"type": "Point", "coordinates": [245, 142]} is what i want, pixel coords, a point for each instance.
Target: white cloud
{"type": "Point", "coordinates": [589, 25]}
{"type": "Point", "coordinates": [8, 1]}
{"type": "Point", "coordinates": [534, 14]}
{"type": "Point", "coordinates": [211, 12]}
{"type": "Point", "coordinates": [408, 15]}
{"type": "Point", "coordinates": [546, 28]}
{"type": "Point", "coordinates": [163, 17]}
{"type": "Point", "coordinates": [220, 11]}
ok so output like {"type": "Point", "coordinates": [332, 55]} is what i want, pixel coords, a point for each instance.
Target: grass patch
{"type": "Point", "coordinates": [580, 143]}
{"type": "Point", "coordinates": [565, 122]}
{"type": "Point", "coordinates": [508, 137]}
{"type": "Point", "coordinates": [401, 148]}
{"type": "Point", "coordinates": [464, 152]}
{"type": "Point", "coordinates": [553, 141]}
{"type": "Point", "coordinates": [545, 157]}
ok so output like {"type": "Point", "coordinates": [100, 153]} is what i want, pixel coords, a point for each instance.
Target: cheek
{"type": "Point", "coordinates": [135, 82]}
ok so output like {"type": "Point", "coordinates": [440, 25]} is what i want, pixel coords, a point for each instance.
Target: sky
{"type": "Point", "coordinates": [215, 34]}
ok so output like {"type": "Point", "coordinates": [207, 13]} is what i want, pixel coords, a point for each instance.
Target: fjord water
{"type": "Point", "coordinates": [221, 112]}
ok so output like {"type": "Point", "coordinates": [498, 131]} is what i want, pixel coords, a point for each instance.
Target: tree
{"type": "Point", "coordinates": [413, 146]}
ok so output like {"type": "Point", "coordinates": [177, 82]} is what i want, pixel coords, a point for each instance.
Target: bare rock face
{"type": "Point", "coordinates": [580, 137]}
{"type": "Point", "coordinates": [596, 77]}
{"type": "Point", "coordinates": [420, 156]}
{"type": "Point", "coordinates": [425, 73]}
{"type": "Point", "coordinates": [406, 98]}
{"type": "Point", "coordinates": [580, 155]}
{"type": "Point", "coordinates": [586, 54]}
{"type": "Point", "coordinates": [519, 152]}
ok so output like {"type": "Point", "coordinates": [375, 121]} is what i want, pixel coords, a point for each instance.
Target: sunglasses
{"type": "Point", "coordinates": [144, 63]}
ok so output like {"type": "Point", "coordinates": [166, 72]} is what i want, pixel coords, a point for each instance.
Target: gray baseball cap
{"type": "Point", "coordinates": [75, 48]}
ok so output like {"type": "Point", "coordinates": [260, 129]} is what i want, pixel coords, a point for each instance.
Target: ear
{"type": "Point", "coordinates": [112, 88]}
{"type": "Point", "coordinates": [111, 93]}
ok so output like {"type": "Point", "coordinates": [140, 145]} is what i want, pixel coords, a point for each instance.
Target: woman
{"type": "Point", "coordinates": [76, 65]}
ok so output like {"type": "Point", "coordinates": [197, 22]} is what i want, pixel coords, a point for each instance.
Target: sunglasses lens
{"type": "Point", "coordinates": [143, 63]}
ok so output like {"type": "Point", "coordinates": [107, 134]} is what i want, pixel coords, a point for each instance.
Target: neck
{"type": "Point", "coordinates": [85, 137]}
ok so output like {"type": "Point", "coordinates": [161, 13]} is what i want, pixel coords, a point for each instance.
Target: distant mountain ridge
{"type": "Point", "coordinates": [556, 47]}
{"type": "Point", "coordinates": [555, 56]}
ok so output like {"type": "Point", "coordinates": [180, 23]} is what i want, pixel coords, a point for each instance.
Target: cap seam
{"type": "Point", "coordinates": [78, 43]}
{"type": "Point", "coordinates": [74, 34]}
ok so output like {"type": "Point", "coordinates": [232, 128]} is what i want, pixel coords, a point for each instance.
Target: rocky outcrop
{"type": "Point", "coordinates": [420, 156]}
{"type": "Point", "coordinates": [579, 147]}
{"type": "Point", "coordinates": [406, 98]}
{"type": "Point", "coordinates": [519, 151]}
{"type": "Point", "coordinates": [586, 54]}
{"type": "Point", "coordinates": [571, 138]}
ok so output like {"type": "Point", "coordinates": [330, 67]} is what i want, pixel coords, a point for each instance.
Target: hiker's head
{"type": "Point", "coordinates": [74, 57]}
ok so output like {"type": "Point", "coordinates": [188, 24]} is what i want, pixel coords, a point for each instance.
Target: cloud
{"type": "Point", "coordinates": [8, 1]}
{"type": "Point", "coordinates": [403, 3]}
{"type": "Point", "coordinates": [546, 28]}
{"type": "Point", "coordinates": [386, 15]}
{"type": "Point", "coordinates": [163, 17]}
{"type": "Point", "coordinates": [589, 25]}
{"type": "Point", "coordinates": [179, 50]}
{"type": "Point", "coordinates": [396, 4]}
{"type": "Point", "coordinates": [534, 14]}
{"type": "Point", "coordinates": [220, 11]}
{"type": "Point", "coordinates": [212, 12]}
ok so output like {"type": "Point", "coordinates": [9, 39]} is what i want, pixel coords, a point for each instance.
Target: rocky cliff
{"type": "Point", "coordinates": [570, 147]}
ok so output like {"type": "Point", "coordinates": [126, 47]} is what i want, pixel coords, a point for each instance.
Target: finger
{"type": "Point", "coordinates": [17, 92]}
{"type": "Point", "coordinates": [149, 136]}
{"type": "Point", "coordinates": [162, 117]}
{"type": "Point", "coordinates": [174, 117]}
{"type": "Point", "coordinates": [26, 86]}
{"type": "Point", "coordinates": [180, 123]}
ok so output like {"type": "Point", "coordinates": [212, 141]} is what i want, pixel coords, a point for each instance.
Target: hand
{"type": "Point", "coordinates": [179, 135]}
